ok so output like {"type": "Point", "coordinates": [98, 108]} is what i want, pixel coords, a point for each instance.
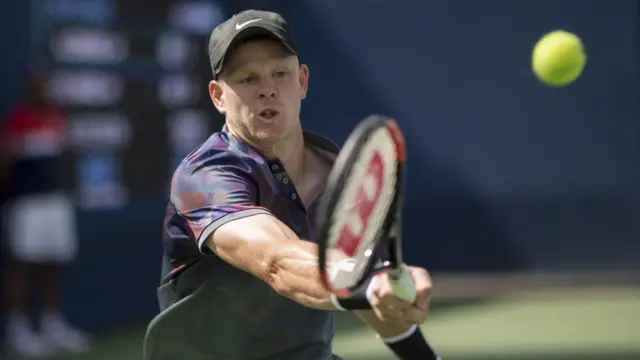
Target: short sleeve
{"type": "Point", "coordinates": [213, 195]}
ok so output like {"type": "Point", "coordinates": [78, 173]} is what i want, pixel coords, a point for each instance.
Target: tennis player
{"type": "Point", "coordinates": [240, 275]}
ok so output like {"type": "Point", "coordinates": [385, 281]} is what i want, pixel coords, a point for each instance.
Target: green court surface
{"type": "Point", "coordinates": [580, 325]}
{"type": "Point", "coordinates": [561, 326]}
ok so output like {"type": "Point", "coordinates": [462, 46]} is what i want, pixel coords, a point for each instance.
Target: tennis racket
{"type": "Point", "coordinates": [359, 216]}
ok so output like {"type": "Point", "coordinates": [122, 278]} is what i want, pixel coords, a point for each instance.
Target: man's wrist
{"type": "Point", "coordinates": [411, 345]}
{"type": "Point", "coordinates": [399, 337]}
{"type": "Point", "coordinates": [336, 303]}
{"type": "Point", "coordinates": [360, 300]}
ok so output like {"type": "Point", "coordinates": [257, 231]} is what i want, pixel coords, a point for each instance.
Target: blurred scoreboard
{"type": "Point", "coordinates": [132, 76]}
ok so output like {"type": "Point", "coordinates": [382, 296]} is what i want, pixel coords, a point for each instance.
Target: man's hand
{"type": "Point", "coordinates": [388, 307]}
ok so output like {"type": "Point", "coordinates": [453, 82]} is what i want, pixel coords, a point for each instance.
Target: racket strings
{"type": "Point", "coordinates": [364, 204]}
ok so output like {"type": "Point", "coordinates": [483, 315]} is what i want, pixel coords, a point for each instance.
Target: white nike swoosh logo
{"type": "Point", "coordinates": [241, 25]}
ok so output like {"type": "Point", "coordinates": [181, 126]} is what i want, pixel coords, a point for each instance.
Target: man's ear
{"type": "Point", "coordinates": [303, 78]}
{"type": "Point", "coordinates": [215, 92]}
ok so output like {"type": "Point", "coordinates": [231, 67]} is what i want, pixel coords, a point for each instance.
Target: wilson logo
{"type": "Point", "coordinates": [356, 219]}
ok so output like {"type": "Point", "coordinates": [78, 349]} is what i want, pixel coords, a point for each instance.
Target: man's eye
{"type": "Point", "coordinates": [279, 73]}
{"type": "Point", "coordinates": [247, 80]}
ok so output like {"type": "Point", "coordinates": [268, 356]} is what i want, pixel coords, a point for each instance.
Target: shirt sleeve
{"type": "Point", "coordinates": [213, 195]}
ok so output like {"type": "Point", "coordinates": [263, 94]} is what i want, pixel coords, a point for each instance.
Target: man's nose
{"type": "Point", "coordinates": [267, 89]}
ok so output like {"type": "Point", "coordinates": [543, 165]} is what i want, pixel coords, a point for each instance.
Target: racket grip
{"type": "Point", "coordinates": [402, 284]}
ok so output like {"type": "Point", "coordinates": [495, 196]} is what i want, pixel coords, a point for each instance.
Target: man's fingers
{"type": "Point", "coordinates": [380, 314]}
{"type": "Point", "coordinates": [424, 287]}
{"type": "Point", "coordinates": [415, 316]}
{"type": "Point", "coordinates": [394, 303]}
{"type": "Point", "coordinates": [390, 305]}
{"type": "Point", "coordinates": [408, 316]}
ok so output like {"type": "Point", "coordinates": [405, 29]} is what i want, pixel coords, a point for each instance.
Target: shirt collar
{"type": "Point", "coordinates": [319, 142]}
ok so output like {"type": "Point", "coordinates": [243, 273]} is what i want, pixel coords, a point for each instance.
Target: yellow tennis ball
{"type": "Point", "coordinates": [558, 58]}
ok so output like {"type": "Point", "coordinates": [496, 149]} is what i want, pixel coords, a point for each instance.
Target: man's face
{"type": "Point", "coordinates": [261, 89]}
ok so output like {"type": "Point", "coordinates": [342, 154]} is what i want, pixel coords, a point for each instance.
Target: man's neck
{"type": "Point", "coordinates": [290, 151]}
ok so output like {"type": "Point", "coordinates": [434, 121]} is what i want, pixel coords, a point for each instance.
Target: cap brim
{"type": "Point", "coordinates": [252, 31]}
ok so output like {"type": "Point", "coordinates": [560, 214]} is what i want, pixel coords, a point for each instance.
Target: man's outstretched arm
{"type": "Point", "coordinates": [220, 206]}
{"type": "Point", "coordinates": [265, 247]}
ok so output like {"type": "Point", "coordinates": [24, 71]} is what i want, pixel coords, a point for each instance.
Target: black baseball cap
{"type": "Point", "coordinates": [243, 26]}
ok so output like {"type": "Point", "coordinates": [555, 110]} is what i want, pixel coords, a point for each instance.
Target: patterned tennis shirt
{"type": "Point", "coordinates": [210, 309]}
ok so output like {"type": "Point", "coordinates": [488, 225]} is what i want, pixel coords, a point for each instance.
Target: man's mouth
{"type": "Point", "coordinates": [268, 113]}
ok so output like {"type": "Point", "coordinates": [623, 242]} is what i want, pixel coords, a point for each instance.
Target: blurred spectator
{"type": "Point", "coordinates": [40, 226]}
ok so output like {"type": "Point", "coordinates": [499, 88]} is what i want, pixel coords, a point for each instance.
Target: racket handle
{"type": "Point", "coordinates": [402, 284]}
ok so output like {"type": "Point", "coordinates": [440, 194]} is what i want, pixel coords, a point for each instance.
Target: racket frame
{"type": "Point", "coordinates": [391, 228]}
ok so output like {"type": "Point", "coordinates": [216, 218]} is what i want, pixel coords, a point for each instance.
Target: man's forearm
{"type": "Point", "coordinates": [297, 277]}
{"type": "Point", "coordinates": [266, 248]}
